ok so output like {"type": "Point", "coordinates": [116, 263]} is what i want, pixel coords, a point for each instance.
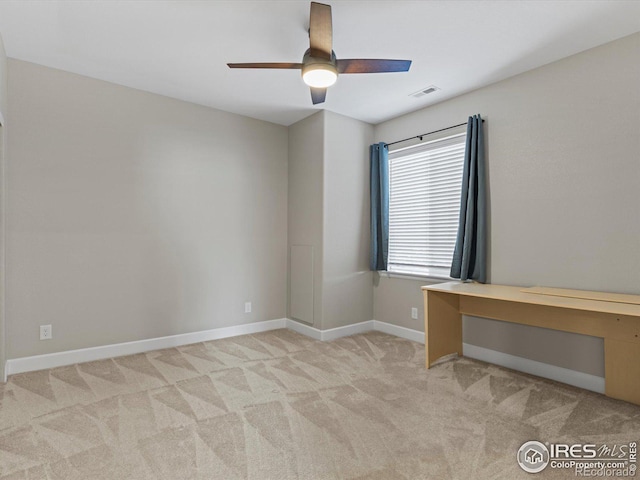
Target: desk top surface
{"type": "Point", "coordinates": [613, 303]}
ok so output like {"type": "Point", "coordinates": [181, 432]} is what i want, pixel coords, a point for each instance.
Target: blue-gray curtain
{"type": "Point", "coordinates": [470, 254]}
{"type": "Point", "coordinates": [379, 179]}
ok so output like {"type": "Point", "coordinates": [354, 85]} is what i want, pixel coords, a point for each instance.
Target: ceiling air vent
{"type": "Point", "coordinates": [424, 91]}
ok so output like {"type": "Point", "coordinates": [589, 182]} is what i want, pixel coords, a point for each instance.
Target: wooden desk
{"type": "Point", "coordinates": [614, 317]}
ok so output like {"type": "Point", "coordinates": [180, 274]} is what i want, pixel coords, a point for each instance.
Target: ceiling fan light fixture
{"type": "Point", "coordinates": [319, 75]}
{"type": "Point", "coordinates": [319, 66]}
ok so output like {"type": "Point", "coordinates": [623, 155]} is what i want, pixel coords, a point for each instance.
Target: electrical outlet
{"type": "Point", "coordinates": [414, 313]}
{"type": "Point", "coordinates": [46, 332]}
{"type": "Point", "coordinates": [247, 307]}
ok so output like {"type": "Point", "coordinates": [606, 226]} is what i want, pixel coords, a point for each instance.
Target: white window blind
{"type": "Point", "coordinates": [424, 206]}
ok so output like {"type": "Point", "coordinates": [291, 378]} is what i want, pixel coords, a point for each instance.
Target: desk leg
{"type": "Point", "coordinates": [442, 325]}
{"type": "Point", "coordinates": [622, 370]}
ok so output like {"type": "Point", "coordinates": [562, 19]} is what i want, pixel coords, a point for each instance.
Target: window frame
{"type": "Point", "coordinates": [412, 271]}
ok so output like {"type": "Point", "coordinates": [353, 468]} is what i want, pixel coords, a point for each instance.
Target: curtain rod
{"type": "Point", "coordinates": [430, 133]}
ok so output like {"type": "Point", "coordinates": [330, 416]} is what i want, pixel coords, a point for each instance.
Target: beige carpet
{"type": "Point", "coordinates": [278, 405]}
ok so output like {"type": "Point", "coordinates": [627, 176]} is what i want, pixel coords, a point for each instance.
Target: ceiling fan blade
{"type": "Point", "coordinates": [320, 31]}
{"type": "Point", "coordinates": [371, 65]}
{"type": "Point", "coordinates": [318, 95]}
{"type": "Point", "coordinates": [292, 66]}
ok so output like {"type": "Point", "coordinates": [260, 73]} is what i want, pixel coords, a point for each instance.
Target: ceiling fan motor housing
{"type": "Point", "coordinates": [325, 65]}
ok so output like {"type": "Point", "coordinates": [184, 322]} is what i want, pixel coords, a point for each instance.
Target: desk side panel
{"type": "Point", "coordinates": [442, 325]}
{"type": "Point", "coordinates": [622, 370]}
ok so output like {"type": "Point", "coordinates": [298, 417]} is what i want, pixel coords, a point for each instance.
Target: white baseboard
{"type": "Point", "coordinates": [59, 359]}
{"type": "Point", "coordinates": [525, 365]}
{"type": "Point", "coordinates": [332, 333]}
{"type": "Point", "coordinates": [304, 329]}
{"type": "Point", "coordinates": [552, 372]}
{"type": "Point", "coordinates": [403, 332]}
{"type": "Point", "coordinates": [70, 357]}
{"type": "Point", "coordinates": [367, 326]}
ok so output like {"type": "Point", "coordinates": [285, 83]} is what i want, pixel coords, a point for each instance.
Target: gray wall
{"type": "Point", "coordinates": [306, 153]}
{"type": "Point", "coordinates": [3, 80]}
{"type": "Point", "coordinates": [3, 128]}
{"type": "Point", "coordinates": [563, 149]}
{"type": "Point", "coordinates": [393, 299]}
{"type": "Point", "coordinates": [134, 216]}
{"type": "Point", "coordinates": [348, 297]}
{"type": "Point", "coordinates": [329, 209]}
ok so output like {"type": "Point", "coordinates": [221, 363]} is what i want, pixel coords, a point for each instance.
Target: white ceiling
{"type": "Point", "coordinates": [180, 48]}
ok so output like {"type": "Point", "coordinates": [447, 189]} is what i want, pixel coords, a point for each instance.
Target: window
{"type": "Point", "coordinates": [424, 206]}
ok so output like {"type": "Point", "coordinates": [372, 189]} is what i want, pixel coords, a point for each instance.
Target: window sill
{"type": "Point", "coordinates": [434, 277]}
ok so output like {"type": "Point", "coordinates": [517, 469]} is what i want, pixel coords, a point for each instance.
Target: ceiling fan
{"type": "Point", "coordinates": [320, 67]}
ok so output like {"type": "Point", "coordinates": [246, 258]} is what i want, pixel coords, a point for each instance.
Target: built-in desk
{"type": "Point", "coordinates": [614, 317]}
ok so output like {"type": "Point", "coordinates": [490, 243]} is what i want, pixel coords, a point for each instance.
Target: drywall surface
{"type": "Point", "coordinates": [305, 197]}
{"type": "Point", "coordinates": [394, 298]}
{"type": "Point", "coordinates": [3, 80]}
{"type": "Point", "coordinates": [563, 144]}
{"type": "Point", "coordinates": [348, 296]}
{"type": "Point", "coordinates": [3, 129]}
{"type": "Point", "coordinates": [133, 216]}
